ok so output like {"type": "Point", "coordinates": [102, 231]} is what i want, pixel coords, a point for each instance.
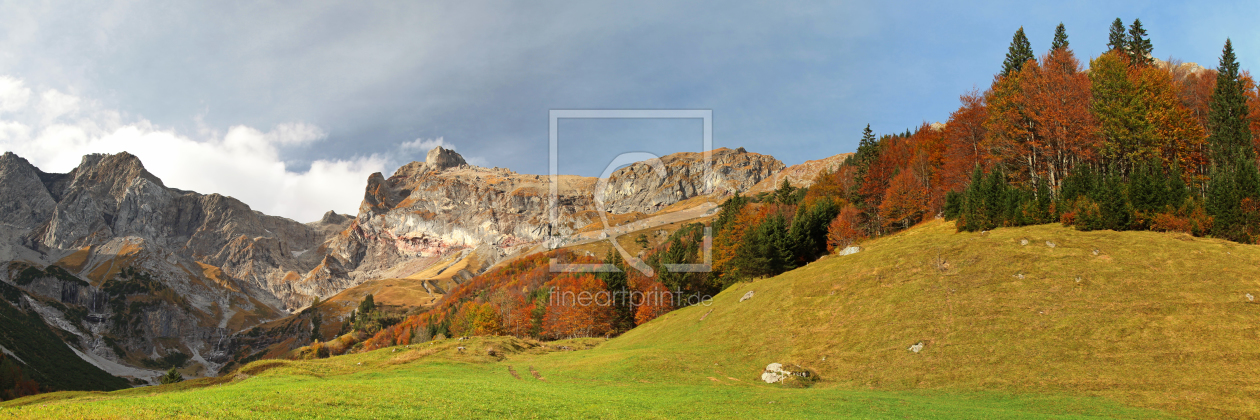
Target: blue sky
{"type": "Point", "coordinates": [319, 94]}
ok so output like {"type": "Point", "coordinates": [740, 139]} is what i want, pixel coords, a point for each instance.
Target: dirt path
{"type": "Point", "coordinates": [513, 372]}
{"type": "Point", "coordinates": [537, 375]}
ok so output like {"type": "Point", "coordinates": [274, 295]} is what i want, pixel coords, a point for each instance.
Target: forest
{"type": "Point", "coordinates": [1126, 143]}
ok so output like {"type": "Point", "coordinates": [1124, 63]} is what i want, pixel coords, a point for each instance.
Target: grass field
{"type": "Point", "coordinates": [1036, 322]}
{"type": "Point", "coordinates": [438, 381]}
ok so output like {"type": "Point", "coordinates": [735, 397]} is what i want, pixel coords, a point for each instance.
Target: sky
{"type": "Point", "coordinates": [289, 106]}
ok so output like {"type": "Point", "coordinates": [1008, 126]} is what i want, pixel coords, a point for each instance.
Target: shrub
{"type": "Point", "coordinates": [171, 377]}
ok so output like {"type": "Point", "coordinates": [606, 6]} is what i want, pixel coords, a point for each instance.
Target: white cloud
{"type": "Point", "coordinates": [424, 145]}
{"type": "Point", "coordinates": [56, 131]}
{"type": "Point", "coordinates": [13, 94]}
{"type": "Point", "coordinates": [418, 148]}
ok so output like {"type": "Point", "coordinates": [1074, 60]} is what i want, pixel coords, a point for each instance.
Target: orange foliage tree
{"type": "Point", "coordinates": [653, 300]}
{"type": "Point", "coordinates": [577, 306]}
{"type": "Point", "coordinates": [905, 201]}
{"type": "Point", "coordinates": [964, 138]}
{"type": "Point", "coordinates": [845, 229]}
{"type": "Point", "coordinates": [1055, 100]}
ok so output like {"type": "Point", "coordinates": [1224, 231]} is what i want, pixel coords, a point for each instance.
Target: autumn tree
{"type": "Point", "coordinates": [1116, 103]}
{"type": "Point", "coordinates": [474, 318]}
{"type": "Point", "coordinates": [578, 307]}
{"type": "Point", "coordinates": [1056, 97]}
{"type": "Point", "coordinates": [1177, 137]}
{"type": "Point", "coordinates": [905, 202]}
{"type": "Point", "coordinates": [845, 230]}
{"type": "Point", "coordinates": [964, 137]}
{"type": "Point", "coordinates": [653, 300]}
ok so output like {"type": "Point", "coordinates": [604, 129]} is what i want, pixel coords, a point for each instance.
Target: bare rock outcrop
{"type": "Point", "coordinates": [429, 209]}
{"type": "Point", "coordinates": [639, 187]}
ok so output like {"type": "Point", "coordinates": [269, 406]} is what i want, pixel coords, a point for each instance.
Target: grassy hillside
{"type": "Point", "coordinates": [436, 380]}
{"type": "Point", "coordinates": [1098, 322]}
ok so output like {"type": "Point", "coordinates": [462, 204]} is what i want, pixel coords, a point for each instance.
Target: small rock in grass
{"type": "Point", "coordinates": [774, 373]}
{"type": "Point", "coordinates": [1251, 298]}
{"type": "Point", "coordinates": [1023, 242]}
{"type": "Point", "coordinates": [850, 250]}
{"type": "Point", "coordinates": [917, 347]}
{"type": "Point", "coordinates": [747, 296]}
{"type": "Point", "coordinates": [1051, 244]}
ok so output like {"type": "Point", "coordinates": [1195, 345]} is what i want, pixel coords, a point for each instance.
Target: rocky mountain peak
{"type": "Point", "coordinates": [111, 174]}
{"type": "Point", "coordinates": [440, 158]}
{"type": "Point", "coordinates": [24, 200]}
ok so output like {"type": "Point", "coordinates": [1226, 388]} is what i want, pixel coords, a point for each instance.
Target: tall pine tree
{"type": "Point", "coordinates": [1138, 46]}
{"type": "Point", "coordinates": [1228, 133]}
{"type": "Point", "coordinates": [1117, 40]}
{"type": "Point", "coordinates": [867, 153]}
{"type": "Point", "coordinates": [1019, 53]}
{"type": "Point", "coordinates": [1060, 38]}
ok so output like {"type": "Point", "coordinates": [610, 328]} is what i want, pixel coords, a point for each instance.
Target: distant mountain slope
{"type": "Point", "coordinates": [136, 272]}
{"type": "Point", "coordinates": [40, 351]}
{"type": "Point", "coordinates": [149, 274]}
{"type": "Point", "coordinates": [802, 175]}
{"type": "Point", "coordinates": [428, 210]}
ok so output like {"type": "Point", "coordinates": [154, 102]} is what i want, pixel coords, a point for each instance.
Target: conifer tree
{"type": "Point", "coordinates": [1222, 201]}
{"type": "Point", "coordinates": [1060, 38]}
{"type": "Point", "coordinates": [808, 234]}
{"type": "Point", "coordinates": [1228, 133]}
{"type": "Point", "coordinates": [1018, 54]}
{"type": "Point", "coordinates": [1043, 202]}
{"type": "Point", "coordinates": [367, 305]}
{"type": "Point", "coordinates": [1116, 40]}
{"type": "Point", "coordinates": [768, 250]}
{"type": "Point", "coordinates": [786, 192]}
{"type": "Point", "coordinates": [171, 377]}
{"type": "Point", "coordinates": [618, 288]}
{"type": "Point", "coordinates": [867, 153]}
{"type": "Point", "coordinates": [1138, 46]}
{"type": "Point", "coordinates": [1114, 206]}
{"type": "Point", "coordinates": [1177, 190]}
{"type": "Point", "coordinates": [971, 214]}
{"type": "Point", "coordinates": [1147, 188]}
{"type": "Point", "coordinates": [730, 210]}
{"type": "Point", "coordinates": [995, 201]}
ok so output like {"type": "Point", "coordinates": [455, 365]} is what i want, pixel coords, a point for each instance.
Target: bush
{"type": "Point", "coordinates": [171, 377]}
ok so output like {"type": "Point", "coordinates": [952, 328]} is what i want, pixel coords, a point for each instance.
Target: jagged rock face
{"type": "Point", "coordinates": [423, 212]}
{"type": "Point", "coordinates": [111, 196]}
{"type": "Point", "coordinates": [220, 259]}
{"type": "Point", "coordinates": [439, 159]}
{"type": "Point", "coordinates": [24, 201]}
{"type": "Point", "coordinates": [639, 187]}
{"type": "Point", "coordinates": [437, 207]}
